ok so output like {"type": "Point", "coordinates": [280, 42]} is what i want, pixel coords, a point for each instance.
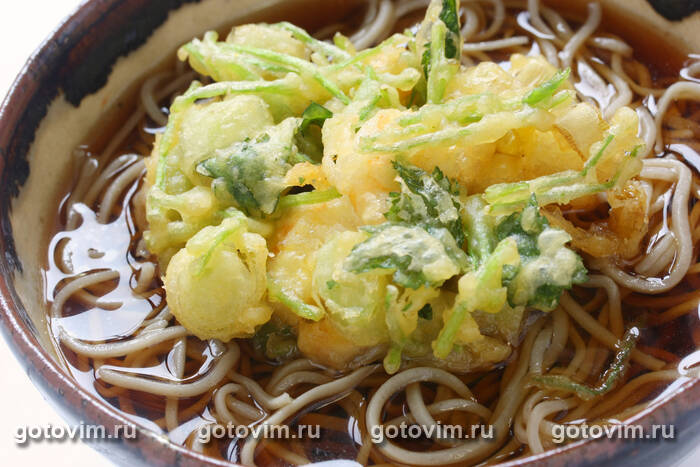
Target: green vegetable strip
{"type": "Point", "coordinates": [452, 134]}
{"type": "Point", "coordinates": [280, 86]}
{"type": "Point", "coordinates": [399, 133]}
{"type": "Point", "coordinates": [392, 361]}
{"type": "Point", "coordinates": [167, 141]}
{"type": "Point", "coordinates": [560, 98]}
{"type": "Point", "coordinates": [486, 275]}
{"type": "Point", "coordinates": [312, 197]}
{"type": "Point", "coordinates": [264, 65]}
{"type": "Point", "coordinates": [564, 194]}
{"type": "Point", "coordinates": [196, 92]}
{"type": "Point", "coordinates": [365, 54]}
{"type": "Point", "coordinates": [368, 95]}
{"type": "Point", "coordinates": [479, 227]}
{"type": "Point", "coordinates": [437, 75]}
{"type": "Point", "coordinates": [490, 272]}
{"type": "Point", "coordinates": [547, 89]}
{"type": "Point", "coordinates": [343, 43]}
{"type": "Point", "coordinates": [316, 45]}
{"type": "Point", "coordinates": [297, 307]}
{"type": "Point", "coordinates": [406, 80]}
{"type": "Point", "coordinates": [593, 161]}
{"type": "Point", "coordinates": [209, 49]}
{"type": "Point", "coordinates": [457, 109]}
{"type": "Point", "coordinates": [609, 380]}
{"type": "Point", "coordinates": [197, 52]}
{"type": "Point", "coordinates": [558, 195]}
{"type": "Point", "coordinates": [559, 188]}
{"type": "Point", "coordinates": [204, 260]}
{"type": "Point", "coordinates": [298, 65]}
{"type": "Point", "coordinates": [438, 137]}
{"type": "Point", "coordinates": [371, 106]}
{"type": "Point", "coordinates": [446, 339]}
{"type": "Point", "coordinates": [504, 193]}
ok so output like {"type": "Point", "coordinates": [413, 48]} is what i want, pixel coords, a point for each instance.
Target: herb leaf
{"type": "Point", "coordinates": [315, 114]}
{"type": "Point", "coordinates": [547, 267]}
{"type": "Point", "coordinates": [309, 138]}
{"type": "Point", "coordinates": [428, 200]}
{"type": "Point", "coordinates": [423, 237]}
{"type": "Point", "coordinates": [417, 258]}
{"type": "Point", "coordinates": [253, 171]}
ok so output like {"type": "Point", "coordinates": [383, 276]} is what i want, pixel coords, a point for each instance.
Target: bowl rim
{"type": "Point", "coordinates": [74, 403]}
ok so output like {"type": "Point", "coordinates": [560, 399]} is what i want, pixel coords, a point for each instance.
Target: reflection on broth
{"type": "Point", "coordinates": [627, 212]}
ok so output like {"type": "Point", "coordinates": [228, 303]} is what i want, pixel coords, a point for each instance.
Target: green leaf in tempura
{"type": "Point", "coordinates": [315, 114]}
{"type": "Point", "coordinates": [241, 172]}
{"type": "Point", "coordinates": [309, 138]}
{"type": "Point", "coordinates": [253, 171]}
{"type": "Point", "coordinates": [520, 262]}
{"type": "Point", "coordinates": [422, 240]}
{"type": "Point", "coordinates": [515, 224]}
{"type": "Point", "coordinates": [416, 257]}
{"type": "Point", "coordinates": [548, 266]}
{"type": "Point", "coordinates": [430, 200]}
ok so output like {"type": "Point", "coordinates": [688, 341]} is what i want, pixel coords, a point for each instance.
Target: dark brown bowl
{"type": "Point", "coordinates": [81, 72]}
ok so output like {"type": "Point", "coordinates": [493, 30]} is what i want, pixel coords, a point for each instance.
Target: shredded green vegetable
{"type": "Point", "coordinates": [548, 88]}
{"type": "Point", "coordinates": [297, 306]}
{"type": "Point", "coordinates": [311, 197]}
{"type": "Point", "coordinates": [558, 188]}
{"type": "Point", "coordinates": [296, 64]}
{"type": "Point", "coordinates": [609, 380]}
{"type": "Point", "coordinates": [329, 50]}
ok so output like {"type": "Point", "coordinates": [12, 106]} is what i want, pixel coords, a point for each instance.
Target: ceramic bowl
{"type": "Point", "coordinates": [84, 70]}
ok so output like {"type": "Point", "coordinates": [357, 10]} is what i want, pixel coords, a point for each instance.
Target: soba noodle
{"type": "Point", "coordinates": [190, 384]}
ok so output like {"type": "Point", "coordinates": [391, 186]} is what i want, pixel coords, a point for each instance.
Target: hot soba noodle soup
{"type": "Point", "coordinates": [481, 215]}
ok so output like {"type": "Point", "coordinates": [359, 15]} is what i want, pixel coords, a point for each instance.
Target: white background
{"type": "Point", "coordinates": [23, 26]}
